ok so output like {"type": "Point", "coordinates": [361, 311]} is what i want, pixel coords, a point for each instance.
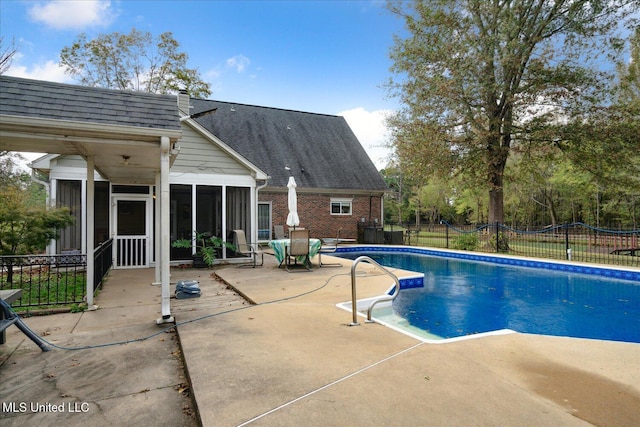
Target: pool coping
{"type": "Point", "coordinates": [614, 272]}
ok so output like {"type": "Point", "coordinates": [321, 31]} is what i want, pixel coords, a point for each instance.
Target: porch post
{"type": "Point", "coordinates": [157, 239]}
{"type": "Point", "coordinates": [224, 220]}
{"type": "Point", "coordinates": [165, 148]}
{"type": "Point", "coordinates": [53, 200]}
{"type": "Point", "coordinates": [90, 230]}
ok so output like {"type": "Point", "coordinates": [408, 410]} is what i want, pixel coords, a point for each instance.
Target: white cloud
{"type": "Point", "coordinates": [371, 130]}
{"type": "Point", "coordinates": [239, 63]}
{"type": "Point", "coordinates": [73, 15]}
{"type": "Point", "coordinates": [50, 71]}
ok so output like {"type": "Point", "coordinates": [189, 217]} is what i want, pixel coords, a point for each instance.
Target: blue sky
{"type": "Point", "coordinates": [326, 56]}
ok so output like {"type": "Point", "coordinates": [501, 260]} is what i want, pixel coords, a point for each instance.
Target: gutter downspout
{"type": "Point", "coordinates": [266, 182]}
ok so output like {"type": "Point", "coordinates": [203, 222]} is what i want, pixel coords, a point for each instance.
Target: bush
{"type": "Point", "coordinates": [466, 242]}
{"type": "Point", "coordinates": [502, 242]}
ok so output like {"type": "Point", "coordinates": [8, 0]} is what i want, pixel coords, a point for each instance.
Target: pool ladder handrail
{"type": "Point", "coordinates": [354, 302]}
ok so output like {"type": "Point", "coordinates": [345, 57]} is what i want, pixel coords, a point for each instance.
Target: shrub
{"type": "Point", "coordinates": [502, 242]}
{"type": "Point", "coordinates": [466, 242]}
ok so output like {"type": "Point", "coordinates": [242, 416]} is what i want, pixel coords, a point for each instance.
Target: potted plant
{"type": "Point", "coordinates": [207, 247]}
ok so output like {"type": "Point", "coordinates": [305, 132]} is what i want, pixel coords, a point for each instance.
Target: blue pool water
{"type": "Point", "coordinates": [464, 297]}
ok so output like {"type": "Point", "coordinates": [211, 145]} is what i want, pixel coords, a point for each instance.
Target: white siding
{"type": "Point", "coordinates": [199, 155]}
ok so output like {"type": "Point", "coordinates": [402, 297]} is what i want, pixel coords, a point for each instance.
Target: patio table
{"type": "Point", "coordinates": [279, 247]}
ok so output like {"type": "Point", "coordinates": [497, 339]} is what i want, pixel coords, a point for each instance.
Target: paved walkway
{"type": "Point", "coordinates": [291, 359]}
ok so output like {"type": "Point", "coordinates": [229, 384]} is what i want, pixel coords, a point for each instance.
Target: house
{"type": "Point", "coordinates": [337, 184]}
{"type": "Point", "coordinates": [147, 169]}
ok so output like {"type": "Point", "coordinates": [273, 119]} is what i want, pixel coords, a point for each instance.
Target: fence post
{"type": "Point", "coordinates": [446, 235]}
{"type": "Point", "coordinates": [497, 237]}
{"type": "Point", "coordinates": [566, 241]}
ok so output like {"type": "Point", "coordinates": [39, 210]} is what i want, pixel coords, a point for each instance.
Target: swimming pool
{"type": "Point", "coordinates": [460, 297]}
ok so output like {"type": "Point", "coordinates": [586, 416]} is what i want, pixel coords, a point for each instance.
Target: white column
{"type": "Point", "coordinates": [194, 228]}
{"type": "Point", "coordinates": [53, 190]}
{"type": "Point", "coordinates": [224, 220]}
{"type": "Point", "coordinates": [90, 227]}
{"type": "Point", "coordinates": [164, 242]}
{"type": "Point", "coordinates": [157, 237]}
{"type": "Point", "coordinates": [84, 207]}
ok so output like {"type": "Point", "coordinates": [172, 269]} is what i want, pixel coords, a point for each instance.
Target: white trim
{"type": "Point", "coordinates": [107, 129]}
{"type": "Point", "coordinates": [341, 201]}
{"type": "Point", "coordinates": [212, 179]}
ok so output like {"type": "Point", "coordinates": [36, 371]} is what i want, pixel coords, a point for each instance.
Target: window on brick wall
{"type": "Point", "coordinates": [341, 206]}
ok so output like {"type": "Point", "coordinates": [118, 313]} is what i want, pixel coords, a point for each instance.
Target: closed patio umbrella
{"type": "Point", "coordinates": [292, 219]}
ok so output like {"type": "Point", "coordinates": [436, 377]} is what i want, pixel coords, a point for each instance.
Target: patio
{"type": "Point", "coordinates": [291, 359]}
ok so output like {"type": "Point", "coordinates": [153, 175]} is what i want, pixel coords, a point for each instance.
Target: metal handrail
{"type": "Point", "coordinates": [354, 302]}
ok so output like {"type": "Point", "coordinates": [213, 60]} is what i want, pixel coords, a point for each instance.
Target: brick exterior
{"type": "Point", "coordinates": [314, 210]}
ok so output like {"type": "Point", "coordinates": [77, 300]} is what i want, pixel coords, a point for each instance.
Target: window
{"type": "Point", "coordinates": [340, 206]}
{"type": "Point", "coordinates": [264, 221]}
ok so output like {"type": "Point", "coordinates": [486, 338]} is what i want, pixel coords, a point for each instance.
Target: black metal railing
{"type": "Point", "coordinates": [51, 280]}
{"type": "Point", "coordinates": [575, 241]}
{"type": "Point", "coordinates": [45, 280]}
{"type": "Point", "coordinates": [103, 261]}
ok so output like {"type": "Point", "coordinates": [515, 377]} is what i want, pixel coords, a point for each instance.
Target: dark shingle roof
{"type": "Point", "coordinates": [324, 146]}
{"type": "Point", "coordinates": [40, 99]}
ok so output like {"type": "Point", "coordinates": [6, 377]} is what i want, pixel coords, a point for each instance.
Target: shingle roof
{"type": "Point", "coordinates": [40, 99]}
{"type": "Point", "coordinates": [320, 150]}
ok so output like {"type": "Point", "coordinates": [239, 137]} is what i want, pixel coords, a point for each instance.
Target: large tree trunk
{"type": "Point", "coordinates": [497, 154]}
{"type": "Point", "coordinates": [496, 206]}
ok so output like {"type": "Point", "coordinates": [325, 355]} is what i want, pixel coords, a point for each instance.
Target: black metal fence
{"type": "Point", "coordinates": [574, 242]}
{"type": "Point", "coordinates": [51, 280]}
{"type": "Point", "coordinates": [103, 261]}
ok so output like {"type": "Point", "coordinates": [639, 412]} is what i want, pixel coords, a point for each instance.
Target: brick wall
{"type": "Point", "coordinates": [314, 211]}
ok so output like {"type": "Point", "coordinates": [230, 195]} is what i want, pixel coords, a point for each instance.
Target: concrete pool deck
{"type": "Point", "coordinates": [292, 359]}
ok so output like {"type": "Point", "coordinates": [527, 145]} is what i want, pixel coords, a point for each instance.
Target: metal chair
{"type": "Point", "coordinates": [278, 232]}
{"type": "Point", "coordinates": [247, 249]}
{"type": "Point", "coordinates": [298, 249]}
{"type": "Point", "coordinates": [329, 245]}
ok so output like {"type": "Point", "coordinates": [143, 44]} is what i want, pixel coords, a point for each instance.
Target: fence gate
{"type": "Point", "coordinates": [131, 239]}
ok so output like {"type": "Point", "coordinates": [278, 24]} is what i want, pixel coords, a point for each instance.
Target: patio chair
{"type": "Point", "coordinates": [278, 232]}
{"type": "Point", "coordinates": [298, 249]}
{"type": "Point", "coordinates": [329, 245]}
{"type": "Point", "coordinates": [251, 250]}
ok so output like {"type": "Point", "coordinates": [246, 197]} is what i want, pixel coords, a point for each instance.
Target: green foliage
{"type": "Point", "coordinates": [134, 61]}
{"type": "Point", "coordinates": [501, 243]}
{"type": "Point", "coordinates": [205, 244]}
{"type": "Point", "coordinates": [476, 79]}
{"type": "Point", "coordinates": [27, 226]}
{"type": "Point", "coordinates": [78, 308]}
{"type": "Point", "coordinates": [466, 242]}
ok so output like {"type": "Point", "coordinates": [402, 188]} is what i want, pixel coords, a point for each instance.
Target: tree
{"type": "Point", "coordinates": [604, 140]}
{"type": "Point", "coordinates": [6, 54]}
{"type": "Point", "coordinates": [9, 171]}
{"type": "Point", "coordinates": [473, 73]}
{"type": "Point", "coordinates": [26, 224]}
{"type": "Point", "coordinates": [133, 61]}
{"type": "Point", "coordinates": [26, 227]}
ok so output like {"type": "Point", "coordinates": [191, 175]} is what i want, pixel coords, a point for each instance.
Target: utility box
{"type": "Point", "coordinates": [374, 235]}
{"type": "Point", "coordinates": [393, 237]}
